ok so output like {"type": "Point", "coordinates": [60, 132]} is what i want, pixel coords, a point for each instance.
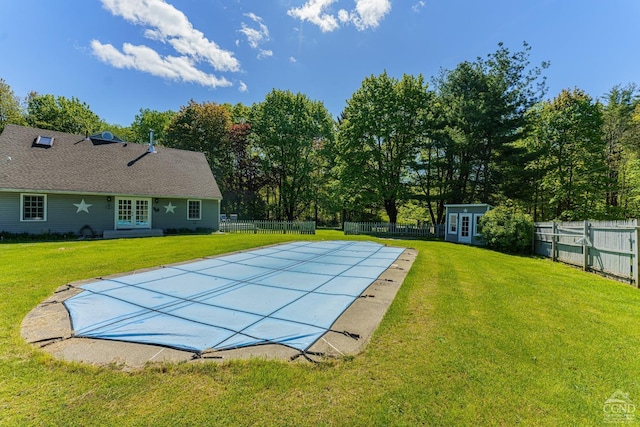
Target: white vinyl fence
{"type": "Point", "coordinates": [269, 227]}
{"type": "Point", "coordinates": [606, 247]}
{"type": "Point", "coordinates": [389, 229]}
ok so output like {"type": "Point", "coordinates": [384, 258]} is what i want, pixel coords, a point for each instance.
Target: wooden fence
{"type": "Point", "coordinates": [269, 227]}
{"type": "Point", "coordinates": [606, 247]}
{"type": "Point", "coordinates": [389, 229]}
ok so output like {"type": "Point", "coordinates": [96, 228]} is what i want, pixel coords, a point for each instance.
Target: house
{"type": "Point", "coordinates": [463, 223]}
{"type": "Point", "coordinates": [98, 185]}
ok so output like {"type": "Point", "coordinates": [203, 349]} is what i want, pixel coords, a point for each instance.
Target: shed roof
{"type": "Point", "coordinates": [75, 164]}
{"type": "Point", "coordinates": [468, 205]}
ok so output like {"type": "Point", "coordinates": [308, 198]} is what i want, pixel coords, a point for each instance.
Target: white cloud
{"type": "Point", "coordinates": [416, 7]}
{"type": "Point", "coordinates": [143, 58]}
{"type": "Point", "coordinates": [167, 25]}
{"type": "Point", "coordinates": [242, 87]}
{"type": "Point", "coordinates": [255, 36]}
{"type": "Point", "coordinates": [367, 14]}
{"type": "Point", "coordinates": [314, 12]}
{"type": "Point", "coordinates": [292, 60]}
{"type": "Point", "coordinates": [370, 13]}
{"type": "Point", "coordinates": [264, 53]}
{"type": "Point", "coordinates": [344, 16]}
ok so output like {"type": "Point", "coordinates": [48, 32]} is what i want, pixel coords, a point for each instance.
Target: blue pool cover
{"type": "Point", "coordinates": [290, 294]}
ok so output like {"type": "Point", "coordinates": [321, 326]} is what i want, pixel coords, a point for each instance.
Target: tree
{"type": "Point", "coordinates": [242, 193]}
{"type": "Point", "coordinates": [381, 132]}
{"type": "Point", "coordinates": [10, 108]}
{"type": "Point", "coordinates": [286, 127]}
{"type": "Point", "coordinates": [239, 112]}
{"type": "Point", "coordinates": [62, 114]}
{"type": "Point", "coordinates": [151, 120]}
{"type": "Point", "coordinates": [472, 150]}
{"type": "Point", "coordinates": [484, 105]}
{"type": "Point", "coordinates": [571, 164]}
{"type": "Point", "coordinates": [204, 128]}
{"type": "Point", "coordinates": [620, 140]}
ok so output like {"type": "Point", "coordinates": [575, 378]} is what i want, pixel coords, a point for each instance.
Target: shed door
{"type": "Point", "coordinates": [464, 234]}
{"type": "Point", "coordinates": [133, 213]}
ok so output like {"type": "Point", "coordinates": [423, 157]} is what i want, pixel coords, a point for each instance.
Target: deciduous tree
{"type": "Point", "coordinates": [286, 127]}
{"type": "Point", "coordinates": [242, 193]}
{"type": "Point", "coordinates": [571, 162]}
{"type": "Point", "coordinates": [62, 114]}
{"type": "Point", "coordinates": [205, 128]}
{"type": "Point", "coordinates": [151, 120]}
{"type": "Point", "coordinates": [381, 132]}
{"type": "Point", "coordinates": [10, 108]}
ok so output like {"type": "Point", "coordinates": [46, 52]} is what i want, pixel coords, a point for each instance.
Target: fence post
{"type": "Point", "coordinates": [585, 246]}
{"type": "Point", "coordinates": [634, 257]}
{"type": "Point", "coordinates": [554, 241]}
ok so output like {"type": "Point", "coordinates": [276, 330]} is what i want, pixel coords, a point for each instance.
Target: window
{"type": "Point", "coordinates": [453, 223]}
{"type": "Point", "coordinates": [194, 209]}
{"type": "Point", "coordinates": [33, 207]}
{"type": "Point", "coordinates": [477, 228]}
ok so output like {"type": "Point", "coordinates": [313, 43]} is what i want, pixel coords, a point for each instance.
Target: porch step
{"type": "Point", "coordinates": [119, 234]}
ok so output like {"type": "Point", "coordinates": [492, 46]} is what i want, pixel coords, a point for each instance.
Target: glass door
{"type": "Point", "coordinates": [133, 213]}
{"type": "Point", "coordinates": [142, 214]}
{"type": "Point", "coordinates": [124, 215]}
{"type": "Point", "coordinates": [465, 228]}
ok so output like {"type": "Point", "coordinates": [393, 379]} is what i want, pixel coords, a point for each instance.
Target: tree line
{"type": "Point", "coordinates": [402, 148]}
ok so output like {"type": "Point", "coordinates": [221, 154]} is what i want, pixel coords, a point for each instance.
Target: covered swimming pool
{"type": "Point", "coordinates": [290, 294]}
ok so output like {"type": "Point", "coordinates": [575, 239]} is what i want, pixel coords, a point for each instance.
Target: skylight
{"type": "Point", "coordinates": [45, 141]}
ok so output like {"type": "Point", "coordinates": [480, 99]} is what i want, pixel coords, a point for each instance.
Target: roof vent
{"type": "Point", "coordinates": [44, 141]}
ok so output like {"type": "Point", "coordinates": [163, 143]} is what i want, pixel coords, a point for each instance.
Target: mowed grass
{"type": "Point", "coordinates": [473, 337]}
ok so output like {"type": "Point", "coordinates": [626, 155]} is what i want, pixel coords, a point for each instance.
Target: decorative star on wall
{"type": "Point", "coordinates": [82, 206]}
{"type": "Point", "coordinates": [170, 208]}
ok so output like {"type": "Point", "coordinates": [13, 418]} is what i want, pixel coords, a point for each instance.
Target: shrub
{"type": "Point", "coordinates": [506, 229]}
{"type": "Point", "coordinates": [6, 237]}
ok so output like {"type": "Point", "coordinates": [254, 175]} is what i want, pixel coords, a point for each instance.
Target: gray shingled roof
{"type": "Point", "coordinates": [78, 165]}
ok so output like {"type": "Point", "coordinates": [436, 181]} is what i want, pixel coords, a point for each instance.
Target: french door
{"type": "Point", "coordinates": [465, 228]}
{"type": "Point", "coordinates": [133, 213]}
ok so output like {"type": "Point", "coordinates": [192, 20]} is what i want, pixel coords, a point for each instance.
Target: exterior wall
{"type": "Point", "coordinates": [176, 218]}
{"type": "Point", "coordinates": [475, 211]}
{"type": "Point", "coordinates": [63, 217]}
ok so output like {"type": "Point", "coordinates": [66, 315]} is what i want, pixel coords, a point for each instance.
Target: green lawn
{"type": "Point", "coordinates": [473, 337]}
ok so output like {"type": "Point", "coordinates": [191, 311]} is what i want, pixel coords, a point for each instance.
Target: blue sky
{"type": "Point", "coordinates": [119, 56]}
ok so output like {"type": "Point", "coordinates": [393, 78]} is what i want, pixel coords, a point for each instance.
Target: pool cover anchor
{"type": "Point", "coordinates": [347, 334]}
{"type": "Point", "coordinates": [306, 354]}
{"type": "Point", "coordinates": [48, 341]}
{"type": "Point", "coordinates": [206, 354]}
